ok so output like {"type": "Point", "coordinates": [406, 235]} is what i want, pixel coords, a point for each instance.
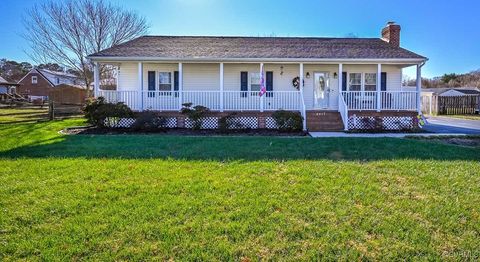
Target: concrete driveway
{"type": "Point", "coordinates": [442, 124]}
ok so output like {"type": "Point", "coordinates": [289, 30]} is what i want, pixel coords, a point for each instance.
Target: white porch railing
{"type": "Point", "coordinates": [360, 100]}
{"type": "Point", "coordinates": [398, 100]}
{"type": "Point", "coordinates": [232, 100]}
{"type": "Point", "coordinates": [389, 100]}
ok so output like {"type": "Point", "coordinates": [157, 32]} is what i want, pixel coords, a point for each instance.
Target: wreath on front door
{"type": "Point", "coordinates": [296, 82]}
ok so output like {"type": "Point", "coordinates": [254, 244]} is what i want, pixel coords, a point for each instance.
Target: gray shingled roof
{"type": "Point", "coordinates": [191, 47]}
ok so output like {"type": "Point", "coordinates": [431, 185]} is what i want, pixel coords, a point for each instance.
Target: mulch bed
{"type": "Point", "coordinates": [91, 130]}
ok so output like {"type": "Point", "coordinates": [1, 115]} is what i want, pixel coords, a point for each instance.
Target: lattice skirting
{"type": "Point", "coordinates": [234, 121]}
{"type": "Point", "coordinates": [170, 122]}
{"type": "Point", "coordinates": [270, 123]}
{"type": "Point", "coordinates": [382, 122]}
{"type": "Point", "coordinates": [206, 122]}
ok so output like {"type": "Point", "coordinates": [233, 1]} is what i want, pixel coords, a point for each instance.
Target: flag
{"type": "Point", "coordinates": [263, 89]}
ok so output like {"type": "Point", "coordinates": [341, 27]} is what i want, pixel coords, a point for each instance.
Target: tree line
{"type": "Point", "coordinates": [471, 79]}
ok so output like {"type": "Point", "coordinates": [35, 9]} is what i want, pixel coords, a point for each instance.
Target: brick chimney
{"type": "Point", "coordinates": [391, 34]}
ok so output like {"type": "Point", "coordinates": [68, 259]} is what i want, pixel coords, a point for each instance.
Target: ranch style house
{"type": "Point", "coordinates": [334, 83]}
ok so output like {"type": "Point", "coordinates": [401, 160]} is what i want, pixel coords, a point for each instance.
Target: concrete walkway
{"type": "Point", "coordinates": [397, 135]}
{"type": "Point", "coordinates": [443, 124]}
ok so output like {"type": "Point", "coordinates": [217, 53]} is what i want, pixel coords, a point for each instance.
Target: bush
{"type": "Point", "coordinates": [195, 113]}
{"type": "Point", "coordinates": [288, 121]}
{"type": "Point", "coordinates": [149, 121]}
{"type": "Point", "coordinates": [228, 122]}
{"type": "Point", "coordinates": [97, 112]}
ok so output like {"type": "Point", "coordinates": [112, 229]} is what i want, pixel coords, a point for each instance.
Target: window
{"type": "Point", "coordinates": [165, 81]}
{"type": "Point", "coordinates": [370, 81]}
{"type": "Point", "coordinates": [34, 79]}
{"type": "Point", "coordinates": [58, 80]}
{"type": "Point", "coordinates": [355, 82]}
{"type": "Point", "coordinates": [255, 82]}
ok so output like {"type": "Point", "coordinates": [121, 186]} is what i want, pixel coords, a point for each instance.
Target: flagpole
{"type": "Point", "coordinates": [261, 86]}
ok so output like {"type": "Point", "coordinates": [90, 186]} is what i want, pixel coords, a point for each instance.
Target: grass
{"type": "Point", "coordinates": [144, 197]}
{"type": "Point", "coordinates": [27, 114]}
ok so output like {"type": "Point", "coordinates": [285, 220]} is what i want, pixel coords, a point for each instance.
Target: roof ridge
{"type": "Point", "coordinates": [286, 37]}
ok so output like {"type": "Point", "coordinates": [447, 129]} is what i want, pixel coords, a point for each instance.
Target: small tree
{"type": "Point", "coordinates": [66, 32]}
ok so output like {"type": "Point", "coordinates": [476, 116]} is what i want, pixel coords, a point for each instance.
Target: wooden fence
{"type": "Point", "coordinates": [450, 105]}
{"type": "Point", "coordinates": [57, 110]}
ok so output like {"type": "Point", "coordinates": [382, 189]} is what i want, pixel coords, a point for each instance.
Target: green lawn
{"type": "Point", "coordinates": [27, 114]}
{"type": "Point", "coordinates": [142, 197]}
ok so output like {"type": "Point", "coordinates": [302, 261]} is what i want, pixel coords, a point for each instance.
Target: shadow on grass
{"type": "Point", "coordinates": [240, 148]}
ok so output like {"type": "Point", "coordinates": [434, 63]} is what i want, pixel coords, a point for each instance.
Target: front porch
{"type": "Point", "coordinates": [233, 87]}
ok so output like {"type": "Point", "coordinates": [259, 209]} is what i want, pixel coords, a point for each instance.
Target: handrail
{"type": "Point", "coordinates": [343, 109]}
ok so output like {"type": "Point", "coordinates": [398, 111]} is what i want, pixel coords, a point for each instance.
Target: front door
{"type": "Point", "coordinates": [321, 90]}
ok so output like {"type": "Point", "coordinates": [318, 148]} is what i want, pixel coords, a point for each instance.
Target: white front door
{"type": "Point", "coordinates": [321, 89]}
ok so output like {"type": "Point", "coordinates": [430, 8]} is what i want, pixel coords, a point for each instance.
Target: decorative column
{"type": "Point", "coordinates": [419, 87]}
{"type": "Point", "coordinates": [140, 84]}
{"type": "Point", "coordinates": [379, 87]}
{"type": "Point", "coordinates": [340, 83]}
{"type": "Point", "coordinates": [221, 88]}
{"type": "Point", "coordinates": [180, 85]}
{"type": "Point", "coordinates": [303, 99]}
{"type": "Point", "coordinates": [262, 98]}
{"type": "Point", "coordinates": [96, 79]}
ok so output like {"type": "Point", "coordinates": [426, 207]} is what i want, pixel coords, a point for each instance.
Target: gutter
{"type": "Point", "coordinates": [240, 60]}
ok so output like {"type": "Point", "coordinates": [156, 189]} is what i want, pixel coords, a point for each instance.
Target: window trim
{"type": "Point", "coordinates": [36, 80]}
{"type": "Point", "coordinates": [250, 76]}
{"type": "Point", "coordinates": [348, 82]}
{"type": "Point", "coordinates": [362, 81]}
{"type": "Point", "coordinates": [157, 81]}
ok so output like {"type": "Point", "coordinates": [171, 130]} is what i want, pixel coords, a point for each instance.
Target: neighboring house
{"type": "Point", "coordinates": [461, 92]}
{"type": "Point", "coordinates": [37, 83]}
{"type": "Point", "coordinates": [7, 87]}
{"type": "Point", "coordinates": [344, 79]}
{"type": "Point", "coordinates": [450, 91]}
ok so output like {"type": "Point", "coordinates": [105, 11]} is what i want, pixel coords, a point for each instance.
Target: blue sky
{"type": "Point", "coordinates": [447, 32]}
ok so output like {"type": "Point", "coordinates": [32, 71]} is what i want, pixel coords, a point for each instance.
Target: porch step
{"type": "Point", "coordinates": [322, 120]}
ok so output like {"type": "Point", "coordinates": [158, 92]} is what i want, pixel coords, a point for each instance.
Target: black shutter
{"type": "Point", "coordinates": [344, 81]}
{"type": "Point", "coordinates": [244, 83]}
{"type": "Point", "coordinates": [383, 81]}
{"type": "Point", "coordinates": [151, 83]}
{"type": "Point", "coordinates": [269, 83]}
{"type": "Point", "coordinates": [175, 82]}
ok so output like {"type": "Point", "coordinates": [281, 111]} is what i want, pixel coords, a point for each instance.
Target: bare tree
{"type": "Point", "coordinates": [67, 32]}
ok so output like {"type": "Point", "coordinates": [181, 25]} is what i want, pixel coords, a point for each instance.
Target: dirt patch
{"type": "Point", "coordinates": [469, 141]}
{"type": "Point", "coordinates": [474, 142]}
{"type": "Point", "coordinates": [91, 130]}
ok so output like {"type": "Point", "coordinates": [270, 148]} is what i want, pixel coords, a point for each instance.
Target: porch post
{"type": "Point", "coordinates": [419, 87]}
{"type": "Point", "coordinates": [340, 83]}
{"type": "Point", "coordinates": [180, 85]}
{"type": "Point", "coordinates": [262, 98]}
{"type": "Point", "coordinates": [379, 87]}
{"type": "Point", "coordinates": [301, 94]}
{"type": "Point", "coordinates": [140, 83]}
{"type": "Point", "coordinates": [221, 87]}
{"type": "Point", "coordinates": [96, 79]}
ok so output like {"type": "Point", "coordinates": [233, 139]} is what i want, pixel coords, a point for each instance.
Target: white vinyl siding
{"type": "Point", "coordinates": [201, 77]}
{"type": "Point", "coordinates": [128, 77]}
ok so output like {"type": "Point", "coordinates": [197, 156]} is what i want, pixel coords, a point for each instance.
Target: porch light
{"type": "Point", "coordinates": [307, 75]}
{"type": "Point", "coordinates": [335, 75]}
